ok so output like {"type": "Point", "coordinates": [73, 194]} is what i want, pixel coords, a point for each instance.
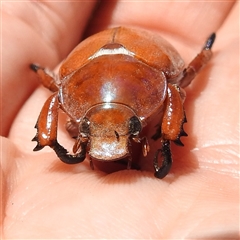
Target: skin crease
{"type": "Point", "coordinates": [45, 198]}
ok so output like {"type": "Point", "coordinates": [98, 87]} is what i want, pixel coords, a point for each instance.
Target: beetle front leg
{"type": "Point", "coordinates": [65, 157]}
{"type": "Point", "coordinates": [171, 129]}
{"type": "Point", "coordinates": [197, 63]}
{"type": "Point", "coordinates": [173, 116]}
{"type": "Point", "coordinates": [47, 133]}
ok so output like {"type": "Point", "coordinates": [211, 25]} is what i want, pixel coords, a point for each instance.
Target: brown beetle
{"type": "Point", "coordinates": [111, 86]}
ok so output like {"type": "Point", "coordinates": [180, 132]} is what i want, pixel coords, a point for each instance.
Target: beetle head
{"type": "Point", "coordinates": [108, 128]}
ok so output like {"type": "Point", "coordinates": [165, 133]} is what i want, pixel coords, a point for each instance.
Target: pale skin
{"type": "Point", "coordinates": [45, 198]}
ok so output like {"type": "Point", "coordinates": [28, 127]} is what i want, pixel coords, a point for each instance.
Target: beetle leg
{"type": "Point", "coordinates": [161, 172]}
{"type": "Point", "coordinates": [48, 79]}
{"type": "Point", "coordinates": [171, 129]}
{"type": "Point", "coordinates": [47, 124]}
{"type": "Point", "coordinates": [173, 116]}
{"type": "Point", "coordinates": [197, 63]}
{"type": "Point", "coordinates": [65, 157]}
{"type": "Point", "coordinates": [47, 133]}
{"type": "Point", "coordinates": [145, 144]}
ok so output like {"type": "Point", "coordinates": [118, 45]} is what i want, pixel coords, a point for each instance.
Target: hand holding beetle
{"type": "Point", "coordinates": [49, 199]}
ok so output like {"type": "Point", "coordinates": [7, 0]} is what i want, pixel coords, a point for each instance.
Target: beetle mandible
{"type": "Point", "coordinates": [111, 85]}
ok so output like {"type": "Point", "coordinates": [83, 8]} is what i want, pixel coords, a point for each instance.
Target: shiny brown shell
{"type": "Point", "coordinates": [154, 51]}
{"type": "Point", "coordinates": [137, 79]}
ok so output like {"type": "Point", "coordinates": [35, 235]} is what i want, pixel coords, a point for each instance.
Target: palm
{"type": "Point", "coordinates": [44, 198]}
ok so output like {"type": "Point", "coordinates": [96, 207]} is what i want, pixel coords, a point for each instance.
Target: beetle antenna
{"type": "Point", "coordinates": [210, 41]}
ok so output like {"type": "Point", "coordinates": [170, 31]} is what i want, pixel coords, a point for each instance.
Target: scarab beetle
{"type": "Point", "coordinates": [111, 86]}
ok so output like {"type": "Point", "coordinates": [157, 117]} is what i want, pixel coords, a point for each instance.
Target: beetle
{"type": "Point", "coordinates": [111, 86]}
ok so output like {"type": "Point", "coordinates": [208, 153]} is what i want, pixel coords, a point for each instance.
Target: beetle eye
{"type": "Point", "coordinates": [134, 126]}
{"type": "Point", "coordinates": [84, 127]}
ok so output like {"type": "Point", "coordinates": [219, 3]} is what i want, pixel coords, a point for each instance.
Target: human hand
{"type": "Point", "coordinates": [44, 198]}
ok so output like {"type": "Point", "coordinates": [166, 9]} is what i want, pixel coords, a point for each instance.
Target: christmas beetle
{"type": "Point", "coordinates": [111, 86]}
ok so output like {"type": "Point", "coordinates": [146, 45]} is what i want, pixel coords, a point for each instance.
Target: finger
{"type": "Point", "coordinates": [35, 32]}
{"type": "Point", "coordinates": [182, 19]}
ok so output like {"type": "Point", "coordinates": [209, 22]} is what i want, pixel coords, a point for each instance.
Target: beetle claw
{"type": "Point", "coordinates": [178, 142]}
{"type": "Point", "coordinates": [65, 157]}
{"type": "Point", "coordinates": [35, 139]}
{"type": "Point", "coordinates": [38, 147]}
{"type": "Point", "coordinates": [183, 133]}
